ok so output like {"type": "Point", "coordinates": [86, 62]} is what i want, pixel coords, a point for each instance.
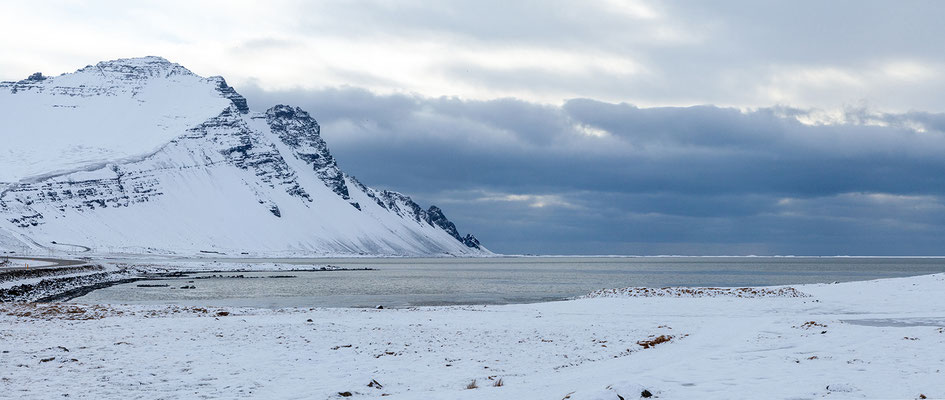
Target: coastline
{"type": "Point", "coordinates": [874, 339]}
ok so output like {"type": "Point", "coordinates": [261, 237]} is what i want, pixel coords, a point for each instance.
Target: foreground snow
{"type": "Point", "coordinates": [874, 339]}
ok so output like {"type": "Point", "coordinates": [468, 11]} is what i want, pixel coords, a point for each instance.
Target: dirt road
{"type": "Point", "coordinates": [42, 263]}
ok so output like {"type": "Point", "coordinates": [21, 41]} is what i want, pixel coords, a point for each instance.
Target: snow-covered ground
{"type": "Point", "coordinates": [872, 339]}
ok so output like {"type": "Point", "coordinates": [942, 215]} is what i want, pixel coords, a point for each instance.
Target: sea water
{"type": "Point", "coordinates": [405, 282]}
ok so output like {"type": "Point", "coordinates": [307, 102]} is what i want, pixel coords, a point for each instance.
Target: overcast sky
{"type": "Point", "coordinates": [610, 127]}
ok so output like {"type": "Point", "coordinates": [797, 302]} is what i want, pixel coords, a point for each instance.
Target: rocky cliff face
{"type": "Point", "coordinates": [299, 131]}
{"type": "Point", "coordinates": [227, 180]}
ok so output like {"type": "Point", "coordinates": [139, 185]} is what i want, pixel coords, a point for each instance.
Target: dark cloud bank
{"type": "Point", "coordinates": [590, 177]}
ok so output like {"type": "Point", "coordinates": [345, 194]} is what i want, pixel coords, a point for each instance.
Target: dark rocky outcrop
{"type": "Point", "coordinates": [298, 130]}
{"type": "Point", "coordinates": [434, 216]}
{"type": "Point", "coordinates": [227, 91]}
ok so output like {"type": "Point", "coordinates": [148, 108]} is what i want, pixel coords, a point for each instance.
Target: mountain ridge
{"type": "Point", "coordinates": [235, 182]}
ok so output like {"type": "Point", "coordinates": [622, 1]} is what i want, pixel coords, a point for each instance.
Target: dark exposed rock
{"type": "Point", "coordinates": [435, 217]}
{"type": "Point", "coordinates": [471, 241]}
{"type": "Point", "coordinates": [61, 288]}
{"type": "Point", "coordinates": [46, 272]}
{"type": "Point", "coordinates": [370, 192]}
{"type": "Point", "coordinates": [245, 149]}
{"type": "Point", "coordinates": [405, 207]}
{"type": "Point", "coordinates": [402, 205]}
{"type": "Point", "coordinates": [24, 221]}
{"type": "Point", "coordinates": [116, 189]}
{"type": "Point", "coordinates": [227, 91]}
{"type": "Point", "coordinates": [298, 130]}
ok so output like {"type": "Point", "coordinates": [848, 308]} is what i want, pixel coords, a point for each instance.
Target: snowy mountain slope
{"type": "Point", "coordinates": [206, 175]}
{"type": "Point", "coordinates": [103, 112]}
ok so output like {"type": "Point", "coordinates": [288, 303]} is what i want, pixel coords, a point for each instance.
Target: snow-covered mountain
{"type": "Point", "coordinates": [143, 156]}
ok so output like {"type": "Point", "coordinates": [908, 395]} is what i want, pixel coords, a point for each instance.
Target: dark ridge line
{"type": "Point", "coordinates": [84, 290]}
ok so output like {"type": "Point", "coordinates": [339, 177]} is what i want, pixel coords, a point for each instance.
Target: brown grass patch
{"type": "Point", "coordinates": [82, 312]}
{"type": "Point", "coordinates": [654, 341]}
{"type": "Point", "coordinates": [811, 324]}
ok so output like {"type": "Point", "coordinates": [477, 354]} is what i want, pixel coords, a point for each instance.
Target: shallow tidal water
{"type": "Point", "coordinates": [404, 282]}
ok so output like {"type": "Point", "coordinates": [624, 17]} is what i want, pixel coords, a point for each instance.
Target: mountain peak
{"type": "Point", "coordinates": [286, 111]}
{"type": "Point", "coordinates": [138, 68]}
{"type": "Point", "coordinates": [128, 106]}
{"type": "Point", "coordinates": [36, 77]}
{"type": "Point", "coordinates": [146, 67]}
{"type": "Point", "coordinates": [132, 142]}
{"type": "Point", "coordinates": [146, 60]}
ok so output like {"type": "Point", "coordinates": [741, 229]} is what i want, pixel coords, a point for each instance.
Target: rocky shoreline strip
{"type": "Point", "coordinates": [67, 283]}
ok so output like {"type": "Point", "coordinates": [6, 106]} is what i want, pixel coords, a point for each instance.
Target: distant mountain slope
{"type": "Point", "coordinates": [142, 156]}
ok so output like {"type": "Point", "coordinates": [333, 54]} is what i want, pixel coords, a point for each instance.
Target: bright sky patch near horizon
{"type": "Point", "coordinates": [599, 127]}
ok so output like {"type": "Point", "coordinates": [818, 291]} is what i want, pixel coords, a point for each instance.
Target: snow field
{"type": "Point", "coordinates": [851, 340]}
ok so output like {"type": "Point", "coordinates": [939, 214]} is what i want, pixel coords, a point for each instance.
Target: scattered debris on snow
{"type": "Point", "coordinates": [696, 292]}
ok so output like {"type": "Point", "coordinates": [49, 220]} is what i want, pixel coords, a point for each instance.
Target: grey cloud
{"type": "Point", "coordinates": [698, 180]}
{"type": "Point", "coordinates": [265, 43]}
{"type": "Point", "coordinates": [663, 180]}
{"type": "Point", "coordinates": [813, 31]}
{"type": "Point", "coordinates": [732, 53]}
{"type": "Point", "coordinates": [744, 53]}
{"type": "Point", "coordinates": [478, 22]}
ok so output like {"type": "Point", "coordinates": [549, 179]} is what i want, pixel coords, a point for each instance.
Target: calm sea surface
{"type": "Point", "coordinates": [402, 282]}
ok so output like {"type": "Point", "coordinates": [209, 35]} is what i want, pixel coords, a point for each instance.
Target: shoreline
{"type": "Point", "coordinates": [880, 338]}
{"type": "Point", "coordinates": [68, 281]}
{"type": "Point", "coordinates": [50, 285]}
